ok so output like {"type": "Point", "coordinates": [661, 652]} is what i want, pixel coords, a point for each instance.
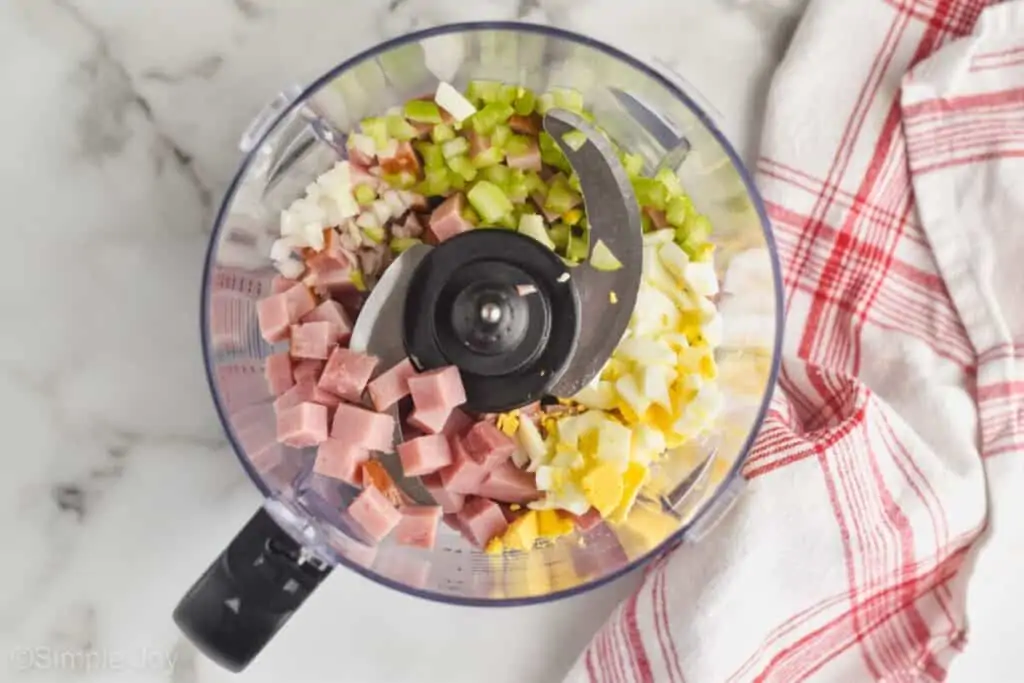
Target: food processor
{"type": "Point", "coordinates": [302, 531]}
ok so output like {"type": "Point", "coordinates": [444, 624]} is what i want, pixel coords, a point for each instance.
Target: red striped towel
{"type": "Point", "coordinates": [893, 169]}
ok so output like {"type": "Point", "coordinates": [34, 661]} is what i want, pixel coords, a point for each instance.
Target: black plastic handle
{"type": "Point", "coordinates": [248, 593]}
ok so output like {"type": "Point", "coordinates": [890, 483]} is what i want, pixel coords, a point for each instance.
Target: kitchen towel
{"type": "Point", "coordinates": [882, 530]}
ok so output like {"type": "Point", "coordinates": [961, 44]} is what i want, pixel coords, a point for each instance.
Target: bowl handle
{"type": "Point", "coordinates": [248, 593]}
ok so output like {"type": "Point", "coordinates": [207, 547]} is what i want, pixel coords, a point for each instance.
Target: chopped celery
{"type": "Point", "coordinates": [534, 183]}
{"type": "Point", "coordinates": [575, 139]}
{"type": "Point", "coordinates": [483, 92]}
{"type": "Point", "coordinates": [489, 157]}
{"type": "Point", "coordinates": [454, 148]}
{"type": "Point", "coordinates": [551, 154]}
{"type": "Point", "coordinates": [560, 196]}
{"type": "Point", "coordinates": [603, 258]}
{"type": "Point", "coordinates": [400, 129]}
{"type": "Point", "coordinates": [702, 252]}
{"type": "Point", "coordinates": [532, 225]}
{"type": "Point", "coordinates": [501, 135]}
{"type": "Point", "coordinates": [365, 194]}
{"type": "Point", "coordinates": [668, 178]}
{"type": "Point", "coordinates": [499, 175]}
{"type": "Point", "coordinates": [470, 215]}
{"type": "Point", "coordinates": [463, 166]}
{"type": "Point", "coordinates": [517, 187]}
{"type": "Point", "coordinates": [442, 133]}
{"type": "Point", "coordinates": [356, 277]}
{"type": "Point", "coordinates": [525, 102]}
{"type": "Point", "coordinates": [633, 163]}
{"type": "Point", "coordinates": [574, 181]}
{"type": "Point", "coordinates": [457, 181]}
{"type": "Point", "coordinates": [678, 209]}
{"type": "Point", "coordinates": [377, 128]}
{"type": "Point", "coordinates": [650, 192]}
{"type": "Point", "coordinates": [400, 244]}
{"type": "Point", "coordinates": [508, 94]}
{"type": "Point", "coordinates": [507, 221]}
{"type": "Point", "coordinates": [403, 180]}
{"type": "Point", "coordinates": [545, 103]}
{"type": "Point", "coordinates": [646, 224]}
{"type": "Point", "coordinates": [431, 154]}
{"type": "Point", "coordinates": [567, 98]}
{"type": "Point", "coordinates": [578, 247]}
{"type": "Point", "coordinates": [489, 201]}
{"type": "Point", "coordinates": [698, 227]}
{"type": "Point", "coordinates": [375, 234]}
{"type": "Point", "coordinates": [560, 235]}
{"type": "Point", "coordinates": [422, 111]}
{"type": "Point", "coordinates": [485, 120]}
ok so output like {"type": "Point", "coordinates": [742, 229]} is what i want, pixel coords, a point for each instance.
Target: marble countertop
{"type": "Point", "coordinates": [121, 120]}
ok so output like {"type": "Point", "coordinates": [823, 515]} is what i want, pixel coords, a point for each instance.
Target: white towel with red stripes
{"type": "Point", "coordinates": [881, 536]}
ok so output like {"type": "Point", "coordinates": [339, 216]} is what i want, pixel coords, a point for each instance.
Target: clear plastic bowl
{"type": "Point", "coordinates": [644, 111]}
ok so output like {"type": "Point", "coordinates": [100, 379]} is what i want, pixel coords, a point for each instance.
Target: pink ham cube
{"type": "Point", "coordinates": [305, 392]}
{"type": "Point", "coordinates": [464, 475]}
{"type": "Point", "coordinates": [509, 484]}
{"type": "Point", "coordinates": [272, 314]}
{"type": "Point", "coordinates": [313, 340]}
{"type": "Point", "coordinates": [374, 513]}
{"type": "Point", "coordinates": [424, 455]}
{"type": "Point", "coordinates": [278, 371]}
{"type": "Point", "coordinates": [435, 394]}
{"type": "Point", "coordinates": [302, 425]}
{"type": "Point", "coordinates": [347, 373]}
{"type": "Point", "coordinates": [481, 520]}
{"type": "Point", "coordinates": [307, 370]}
{"type": "Point", "coordinates": [334, 313]}
{"type": "Point", "coordinates": [528, 159]}
{"type": "Point", "coordinates": [588, 520]}
{"type": "Point", "coordinates": [450, 502]}
{"type": "Point", "coordinates": [340, 460]}
{"type": "Point", "coordinates": [364, 428]}
{"type": "Point", "coordinates": [488, 445]}
{"type": "Point", "coordinates": [457, 425]}
{"type": "Point", "coordinates": [418, 526]}
{"type": "Point", "coordinates": [299, 302]}
{"type": "Point", "coordinates": [446, 221]}
{"type": "Point", "coordinates": [391, 386]}
{"type": "Point", "coordinates": [281, 284]}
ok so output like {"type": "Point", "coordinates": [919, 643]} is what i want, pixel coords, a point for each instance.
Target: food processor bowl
{"type": "Point", "coordinates": [303, 531]}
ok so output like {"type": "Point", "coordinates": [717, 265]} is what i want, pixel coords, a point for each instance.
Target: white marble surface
{"type": "Point", "coordinates": [120, 120]}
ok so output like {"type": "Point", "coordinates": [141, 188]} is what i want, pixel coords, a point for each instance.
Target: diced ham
{"type": "Point", "coordinates": [299, 302]}
{"type": "Point", "coordinates": [449, 501]}
{"type": "Point", "coordinates": [281, 284]}
{"type": "Point", "coordinates": [414, 200]}
{"type": "Point", "coordinates": [435, 394]}
{"type": "Point", "coordinates": [418, 526]}
{"type": "Point", "coordinates": [410, 227]}
{"type": "Point", "coordinates": [373, 260]}
{"type": "Point", "coordinates": [302, 425]}
{"type": "Point", "coordinates": [423, 130]}
{"type": "Point", "coordinates": [334, 313]}
{"type": "Point", "coordinates": [340, 459]}
{"type": "Point", "coordinates": [307, 370]}
{"type": "Point", "coordinates": [372, 473]}
{"type": "Point", "coordinates": [446, 221]}
{"type": "Point", "coordinates": [488, 446]}
{"type": "Point", "coordinates": [350, 238]}
{"type": "Point", "coordinates": [272, 314]}
{"type": "Point", "coordinates": [312, 340]}
{"type": "Point", "coordinates": [424, 455]}
{"type": "Point", "coordinates": [305, 391]}
{"type": "Point", "coordinates": [464, 475]}
{"type": "Point", "coordinates": [404, 159]}
{"type": "Point", "coordinates": [426, 422]}
{"type": "Point", "coordinates": [364, 428]}
{"type": "Point", "coordinates": [457, 425]}
{"type": "Point", "coordinates": [481, 520]}
{"type": "Point", "coordinates": [528, 160]}
{"type": "Point", "coordinates": [374, 513]}
{"type": "Point", "coordinates": [658, 218]}
{"type": "Point", "coordinates": [509, 484]}
{"type": "Point", "coordinates": [278, 371]}
{"type": "Point", "coordinates": [347, 373]}
{"type": "Point", "coordinates": [478, 143]}
{"type": "Point", "coordinates": [391, 386]}
{"type": "Point", "coordinates": [588, 520]}
{"type": "Point", "coordinates": [525, 125]}
{"type": "Point", "coordinates": [538, 199]}
{"type": "Point", "coordinates": [359, 174]}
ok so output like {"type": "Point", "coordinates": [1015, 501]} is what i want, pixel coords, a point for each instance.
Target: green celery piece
{"type": "Point", "coordinates": [532, 225]}
{"type": "Point", "coordinates": [702, 252]}
{"type": "Point", "coordinates": [400, 244]}
{"type": "Point", "coordinates": [669, 179]}
{"type": "Point", "coordinates": [422, 111]}
{"type": "Point", "coordinates": [698, 228]}
{"type": "Point", "coordinates": [574, 182]}
{"type": "Point", "coordinates": [442, 133]}
{"type": "Point", "coordinates": [470, 215]}
{"type": "Point", "coordinates": [517, 188]}
{"type": "Point", "coordinates": [491, 156]}
{"type": "Point", "coordinates": [677, 211]}
{"type": "Point", "coordinates": [488, 200]}
{"type": "Point", "coordinates": [534, 183]}
{"type": "Point", "coordinates": [377, 128]}
{"type": "Point", "coordinates": [375, 235]}
{"type": "Point", "coordinates": [560, 197]}
{"type": "Point", "coordinates": [545, 103]}
{"type": "Point", "coordinates": [485, 120]}
{"type": "Point", "coordinates": [645, 222]}
{"type": "Point", "coordinates": [463, 166]}
{"type": "Point", "coordinates": [454, 148]}
{"type": "Point", "coordinates": [483, 92]}
{"type": "Point", "coordinates": [517, 144]}
{"type": "Point", "coordinates": [431, 153]}
{"type": "Point", "coordinates": [457, 181]}
{"type": "Point", "coordinates": [650, 192]}
{"type": "Point", "coordinates": [508, 221]}
{"type": "Point", "coordinates": [403, 180]}
{"type": "Point", "coordinates": [499, 175]}
{"type": "Point", "coordinates": [526, 102]}
{"type": "Point", "coordinates": [633, 163]}
{"type": "Point", "coordinates": [578, 248]}
{"type": "Point", "coordinates": [560, 236]}
{"type": "Point", "coordinates": [575, 139]}
{"type": "Point", "coordinates": [365, 195]}
{"type": "Point", "coordinates": [436, 182]}
{"type": "Point", "coordinates": [507, 94]}
{"type": "Point", "coordinates": [567, 98]}
{"type": "Point", "coordinates": [400, 129]}
{"type": "Point", "coordinates": [501, 135]}
{"type": "Point", "coordinates": [551, 154]}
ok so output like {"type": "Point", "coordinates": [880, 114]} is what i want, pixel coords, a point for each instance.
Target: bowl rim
{"type": "Point", "coordinates": [674, 539]}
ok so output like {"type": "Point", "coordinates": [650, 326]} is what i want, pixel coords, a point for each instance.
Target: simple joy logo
{"type": "Point", "coordinates": [42, 658]}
